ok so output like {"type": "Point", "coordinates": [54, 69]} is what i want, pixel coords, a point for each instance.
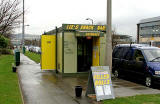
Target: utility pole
{"type": "Point", "coordinates": [23, 44]}
{"type": "Point", "coordinates": [108, 49]}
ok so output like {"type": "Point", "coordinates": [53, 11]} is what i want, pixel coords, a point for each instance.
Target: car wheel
{"type": "Point", "coordinates": [116, 74]}
{"type": "Point", "coordinates": [148, 81]}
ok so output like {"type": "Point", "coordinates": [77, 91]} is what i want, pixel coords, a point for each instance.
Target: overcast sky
{"type": "Point", "coordinates": [44, 15]}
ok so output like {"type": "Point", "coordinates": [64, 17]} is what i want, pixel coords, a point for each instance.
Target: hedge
{"type": "Point", "coordinates": [5, 51]}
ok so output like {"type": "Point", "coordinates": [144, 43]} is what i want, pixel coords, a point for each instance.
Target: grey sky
{"type": "Point", "coordinates": [44, 15]}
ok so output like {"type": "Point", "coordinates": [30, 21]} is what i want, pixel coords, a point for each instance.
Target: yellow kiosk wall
{"type": "Point", "coordinates": [96, 51]}
{"type": "Point", "coordinates": [48, 55]}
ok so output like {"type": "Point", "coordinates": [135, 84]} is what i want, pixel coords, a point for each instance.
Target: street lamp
{"type": "Point", "coordinates": [24, 29]}
{"type": "Point", "coordinates": [23, 32]}
{"type": "Point", "coordinates": [155, 30]}
{"type": "Point", "coordinates": [90, 20]}
{"type": "Point", "coordinates": [23, 39]}
{"type": "Point", "coordinates": [23, 47]}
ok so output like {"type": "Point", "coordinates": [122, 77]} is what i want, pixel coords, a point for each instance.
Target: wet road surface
{"type": "Point", "coordinates": [47, 87]}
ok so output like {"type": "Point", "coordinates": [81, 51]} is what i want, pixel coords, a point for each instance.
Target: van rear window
{"type": "Point", "coordinates": [120, 52]}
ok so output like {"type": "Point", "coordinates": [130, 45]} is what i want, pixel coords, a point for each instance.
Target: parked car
{"type": "Point", "coordinates": [34, 49]}
{"type": "Point", "coordinates": [38, 50]}
{"type": "Point", "coordinates": [137, 61]}
{"type": "Point", "coordinates": [27, 48]}
{"type": "Point", "coordinates": [30, 48]}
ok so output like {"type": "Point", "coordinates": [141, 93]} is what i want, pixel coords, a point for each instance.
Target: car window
{"type": "Point", "coordinates": [125, 51]}
{"type": "Point", "coordinates": [138, 56]}
{"type": "Point", "coordinates": [120, 52]}
{"type": "Point", "coordinates": [152, 54]}
{"type": "Point", "coordinates": [114, 51]}
{"type": "Point", "coordinates": [129, 54]}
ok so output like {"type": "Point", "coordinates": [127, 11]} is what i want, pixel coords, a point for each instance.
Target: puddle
{"type": "Point", "coordinates": [116, 86]}
{"type": "Point", "coordinates": [139, 88]}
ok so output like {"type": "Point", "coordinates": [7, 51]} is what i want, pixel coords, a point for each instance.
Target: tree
{"type": "Point", "coordinates": [3, 42]}
{"type": "Point", "coordinates": [10, 14]}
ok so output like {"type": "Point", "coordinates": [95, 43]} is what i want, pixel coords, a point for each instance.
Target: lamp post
{"type": "Point", "coordinates": [108, 44]}
{"type": "Point", "coordinates": [23, 32]}
{"type": "Point", "coordinates": [90, 20]}
{"type": "Point", "coordinates": [23, 47]}
{"type": "Point", "coordinates": [23, 40]}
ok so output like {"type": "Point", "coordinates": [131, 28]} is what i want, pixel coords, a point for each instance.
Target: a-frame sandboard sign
{"type": "Point", "coordinates": [99, 83]}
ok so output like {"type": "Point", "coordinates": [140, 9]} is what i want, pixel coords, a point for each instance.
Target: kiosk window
{"type": "Point", "coordinates": [121, 52]}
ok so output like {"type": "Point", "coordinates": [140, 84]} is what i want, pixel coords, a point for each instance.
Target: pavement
{"type": "Point", "coordinates": [47, 87]}
{"type": "Point", "coordinates": [124, 88]}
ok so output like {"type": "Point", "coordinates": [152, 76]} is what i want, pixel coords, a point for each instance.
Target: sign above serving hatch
{"type": "Point", "coordinates": [93, 34]}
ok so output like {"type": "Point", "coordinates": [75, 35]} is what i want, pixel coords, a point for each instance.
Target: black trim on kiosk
{"type": "Point", "coordinates": [56, 49]}
{"type": "Point", "coordinates": [62, 52]}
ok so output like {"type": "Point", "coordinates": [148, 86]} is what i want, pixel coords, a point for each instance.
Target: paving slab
{"type": "Point", "coordinates": [47, 87]}
{"type": "Point", "coordinates": [123, 88]}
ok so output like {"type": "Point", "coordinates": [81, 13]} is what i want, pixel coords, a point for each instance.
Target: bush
{"type": "Point", "coordinates": [3, 42]}
{"type": "Point", "coordinates": [5, 51]}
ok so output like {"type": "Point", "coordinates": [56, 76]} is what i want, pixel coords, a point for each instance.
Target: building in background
{"type": "Point", "coordinates": [121, 39]}
{"type": "Point", "coordinates": [17, 38]}
{"type": "Point", "coordinates": [148, 31]}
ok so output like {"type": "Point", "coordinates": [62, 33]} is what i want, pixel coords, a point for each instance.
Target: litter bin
{"type": "Point", "coordinates": [17, 57]}
{"type": "Point", "coordinates": [78, 91]}
{"type": "Point", "coordinates": [14, 67]}
{"type": "Point", "coordinates": [24, 50]}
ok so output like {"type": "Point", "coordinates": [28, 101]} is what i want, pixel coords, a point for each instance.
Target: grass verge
{"type": "Point", "coordinates": [139, 99]}
{"type": "Point", "coordinates": [33, 56]}
{"type": "Point", "coordinates": [9, 88]}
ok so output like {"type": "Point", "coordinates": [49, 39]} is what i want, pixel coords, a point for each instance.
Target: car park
{"type": "Point", "coordinates": [34, 49]}
{"type": "Point", "coordinates": [37, 50]}
{"type": "Point", "coordinates": [30, 48]}
{"type": "Point", "coordinates": [27, 48]}
{"type": "Point", "coordinates": [141, 62]}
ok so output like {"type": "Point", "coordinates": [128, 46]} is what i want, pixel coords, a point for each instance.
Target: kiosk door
{"type": "Point", "coordinates": [48, 52]}
{"type": "Point", "coordinates": [84, 52]}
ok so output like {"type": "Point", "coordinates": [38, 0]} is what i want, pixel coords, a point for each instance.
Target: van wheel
{"type": "Point", "coordinates": [148, 81]}
{"type": "Point", "coordinates": [116, 74]}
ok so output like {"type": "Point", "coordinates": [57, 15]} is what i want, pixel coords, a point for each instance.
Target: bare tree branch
{"type": "Point", "coordinates": [10, 14]}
